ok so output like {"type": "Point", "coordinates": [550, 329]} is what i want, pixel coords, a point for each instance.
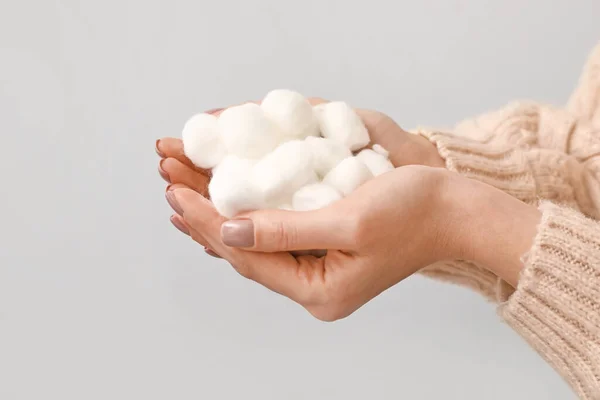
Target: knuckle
{"type": "Point", "coordinates": [284, 236]}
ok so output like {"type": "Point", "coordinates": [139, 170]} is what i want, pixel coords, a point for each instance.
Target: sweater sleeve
{"type": "Point", "coordinates": [535, 151]}
{"type": "Point", "coordinates": [550, 158]}
{"type": "Point", "coordinates": [556, 307]}
{"type": "Point", "coordinates": [523, 169]}
{"type": "Point", "coordinates": [585, 100]}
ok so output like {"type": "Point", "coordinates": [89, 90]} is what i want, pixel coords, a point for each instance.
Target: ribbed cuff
{"type": "Point", "coordinates": [556, 307]}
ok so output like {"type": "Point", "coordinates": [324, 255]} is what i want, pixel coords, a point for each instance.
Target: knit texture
{"type": "Point", "coordinates": [547, 157]}
{"type": "Point", "coordinates": [556, 307]}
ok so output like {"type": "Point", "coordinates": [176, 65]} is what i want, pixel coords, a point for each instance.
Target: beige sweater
{"type": "Point", "coordinates": [548, 157]}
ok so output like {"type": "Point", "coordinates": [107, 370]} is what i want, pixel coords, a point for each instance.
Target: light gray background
{"type": "Point", "coordinates": [100, 298]}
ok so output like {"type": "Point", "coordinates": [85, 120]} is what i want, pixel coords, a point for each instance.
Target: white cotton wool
{"type": "Point", "coordinates": [291, 113]}
{"type": "Point", "coordinates": [202, 142]}
{"type": "Point", "coordinates": [348, 175]}
{"type": "Point", "coordinates": [283, 171]}
{"type": "Point", "coordinates": [232, 189]}
{"type": "Point", "coordinates": [247, 132]}
{"type": "Point", "coordinates": [339, 122]}
{"type": "Point", "coordinates": [326, 153]}
{"type": "Point", "coordinates": [377, 148]}
{"type": "Point", "coordinates": [314, 196]}
{"type": "Point", "coordinates": [376, 162]}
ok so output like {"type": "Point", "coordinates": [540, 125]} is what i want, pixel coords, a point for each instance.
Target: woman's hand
{"type": "Point", "coordinates": [405, 149]}
{"type": "Point", "coordinates": [386, 230]}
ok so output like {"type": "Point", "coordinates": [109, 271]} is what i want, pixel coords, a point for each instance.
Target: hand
{"type": "Point", "coordinates": [386, 230]}
{"type": "Point", "coordinates": [405, 149]}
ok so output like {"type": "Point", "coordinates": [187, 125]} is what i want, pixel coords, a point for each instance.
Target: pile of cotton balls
{"type": "Point", "coordinates": [283, 153]}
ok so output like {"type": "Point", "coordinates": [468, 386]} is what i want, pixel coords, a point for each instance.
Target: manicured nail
{"type": "Point", "coordinates": [173, 202]}
{"type": "Point", "coordinates": [211, 253]}
{"type": "Point", "coordinates": [214, 110]}
{"type": "Point", "coordinates": [161, 155]}
{"type": "Point", "coordinates": [162, 172]}
{"type": "Point", "coordinates": [238, 233]}
{"type": "Point", "coordinates": [179, 225]}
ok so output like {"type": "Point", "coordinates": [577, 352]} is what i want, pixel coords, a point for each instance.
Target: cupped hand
{"type": "Point", "coordinates": [405, 149]}
{"type": "Point", "coordinates": [386, 230]}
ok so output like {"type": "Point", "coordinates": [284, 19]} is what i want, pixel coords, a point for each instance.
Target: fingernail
{"type": "Point", "coordinates": [157, 150]}
{"type": "Point", "coordinates": [214, 110]}
{"type": "Point", "coordinates": [179, 225]}
{"type": "Point", "coordinates": [162, 172]}
{"type": "Point", "coordinates": [211, 253]}
{"type": "Point", "coordinates": [238, 233]}
{"type": "Point", "coordinates": [173, 202]}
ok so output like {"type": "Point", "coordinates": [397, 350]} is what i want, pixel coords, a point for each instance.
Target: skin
{"type": "Point", "coordinates": [385, 231]}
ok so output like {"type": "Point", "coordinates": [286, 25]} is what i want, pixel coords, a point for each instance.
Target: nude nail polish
{"type": "Point", "coordinates": [179, 225]}
{"type": "Point", "coordinates": [173, 202]}
{"type": "Point", "coordinates": [238, 233]}
{"type": "Point", "coordinates": [160, 154]}
{"type": "Point", "coordinates": [162, 172]}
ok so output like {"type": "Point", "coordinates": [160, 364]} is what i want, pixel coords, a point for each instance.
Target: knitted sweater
{"type": "Point", "coordinates": [548, 157]}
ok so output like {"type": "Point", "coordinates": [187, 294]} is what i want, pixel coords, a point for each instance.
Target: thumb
{"type": "Point", "coordinates": [282, 230]}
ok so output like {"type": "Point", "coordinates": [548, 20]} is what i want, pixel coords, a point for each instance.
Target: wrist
{"type": "Point", "coordinates": [427, 152]}
{"type": "Point", "coordinates": [491, 228]}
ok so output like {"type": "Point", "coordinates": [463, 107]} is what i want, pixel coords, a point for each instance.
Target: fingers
{"type": "Point", "coordinates": [181, 226]}
{"type": "Point", "coordinates": [279, 272]}
{"type": "Point", "coordinates": [202, 220]}
{"type": "Point", "coordinates": [174, 171]}
{"type": "Point", "coordinates": [169, 147]}
{"type": "Point", "coordinates": [280, 230]}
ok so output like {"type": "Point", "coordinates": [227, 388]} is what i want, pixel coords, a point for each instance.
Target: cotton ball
{"type": "Point", "coordinates": [292, 113]}
{"type": "Point", "coordinates": [348, 175]}
{"type": "Point", "coordinates": [231, 188]}
{"type": "Point", "coordinates": [283, 171]}
{"type": "Point", "coordinates": [339, 122]}
{"type": "Point", "coordinates": [377, 163]}
{"type": "Point", "coordinates": [326, 153]}
{"type": "Point", "coordinates": [314, 196]}
{"type": "Point", "coordinates": [202, 142]}
{"type": "Point", "coordinates": [377, 148]}
{"type": "Point", "coordinates": [247, 132]}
